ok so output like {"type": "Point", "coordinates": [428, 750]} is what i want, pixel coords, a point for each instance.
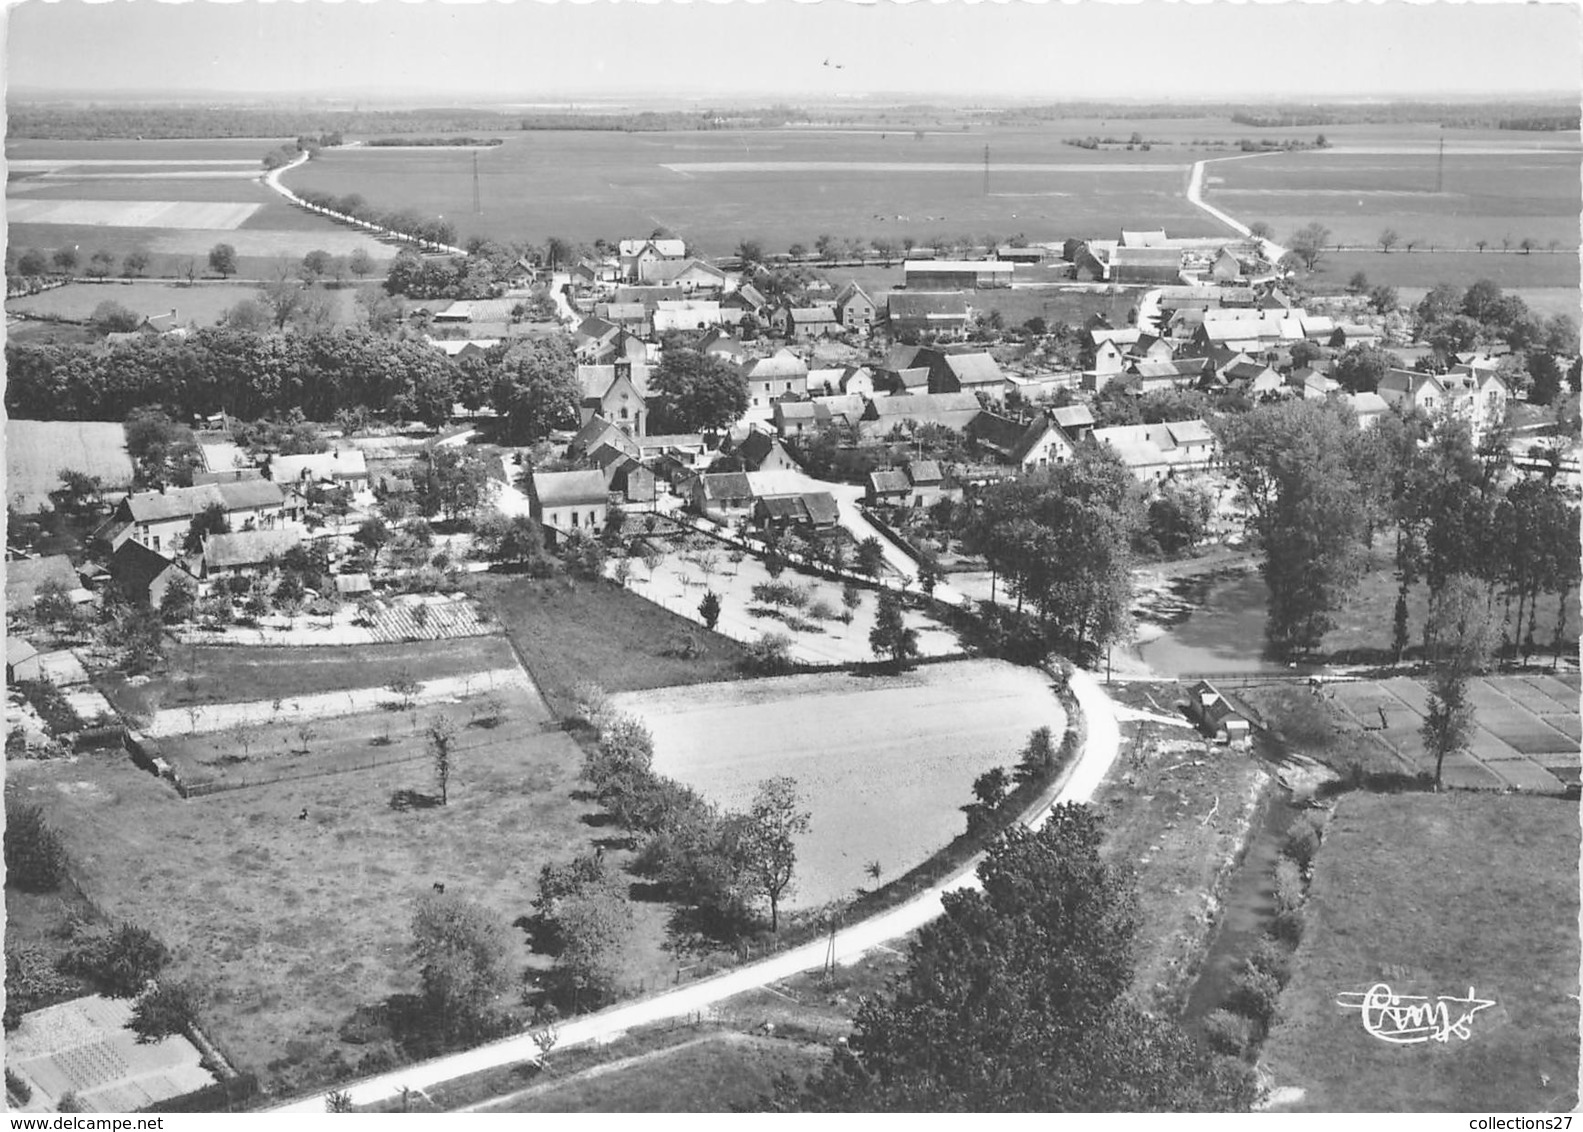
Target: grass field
{"type": "Point", "coordinates": [709, 1074]}
{"type": "Point", "coordinates": [573, 631]}
{"type": "Point", "coordinates": [201, 304]}
{"type": "Point", "coordinates": [883, 763]}
{"type": "Point", "coordinates": [290, 924]}
{"type": "Point", "coordinates": [1357, 195]}
{"type": "Point", "coordinates": [36, 452]}
{"type": "Point", "coordinates": [216, 675]}
{"type": "Point", "coordinates": [1545, 280]}
{"type": "Point", "coordinates": [1489, 901]}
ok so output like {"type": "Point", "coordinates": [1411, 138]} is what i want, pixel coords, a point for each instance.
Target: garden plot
{"type": "Point", "coordinates": [883, 763]}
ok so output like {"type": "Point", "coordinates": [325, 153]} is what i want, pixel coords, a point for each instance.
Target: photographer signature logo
{"type": "Point", "coordinates": [1408, 1019]}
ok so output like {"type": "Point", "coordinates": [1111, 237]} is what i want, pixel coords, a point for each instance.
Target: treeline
{"type": "Point", "coordinates": [1288, 118]}
{"type": "Point", "coordinates": [406, 222]}
{"type": "Point", "coordinates": [532, 383]}
{"type": "Point", "coordinates": [171, 121]}
{"type": "Point", "coordinates": [456, 141]}
{"type": "Point", "coordinates": [1542, 122]}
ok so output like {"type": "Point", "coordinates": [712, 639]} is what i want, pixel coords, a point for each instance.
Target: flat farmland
{"type": "Point", "coordinates": [781, 186]}
{"type": "Point", "coordinates": [291, 924]}
{"type": "Point", "coordinates": [1486, 195]}
{"type": "Point", "coordinates": [37, 452]}
{"type": "Point", "coordinates": [884, 763]}
{"type": "Point", "coordinates": [1488, 900]}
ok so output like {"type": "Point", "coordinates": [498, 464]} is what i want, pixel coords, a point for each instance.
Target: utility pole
{"type": "Point", "coordinates": [478, 207]}
{"type": "Point", "coordinates": [986, 170]}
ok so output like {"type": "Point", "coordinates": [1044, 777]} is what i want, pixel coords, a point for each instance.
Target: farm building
{"type": "Point", "coordinates": [809, 509]}
{"type": "Point", "coordinates": [339, 467]}
{"type": "Point", "coordinates": [954, 411]}
{"type": "Point", "coordinates": [147, 574]}
{"type": "Point", "coordinates": [37, 453]}
{"type": "Point", "coordinates": [639, 261]}
{"type": "Point", "coordinates": [1154, 452]}
{"type": "Point", "coordinates": [1216, 715]}
{"type": "Point", "coordinates": [1009, 254]}
{"type": "Point", "coordinates": [569, 501]}
{"type": "Point", "coordinates": [1035, 444]}
{"type": "Point", "coordinates": [761, 452]}
{"type": "Point", "coordinates": [1368, 407]}
{"type": "Point", "coordinates": [693, 276]}
{"type": "Point", "coordinates": [1145, 265]}
{"type": "Point", "coordinates": [950, 275]}
{"type": "Point", "coordinates": [1354, 334]}
{"type": "Point", "coordinates": [21, 661]}
{"type": "Point", "coordinates": [1183, 373]}
{"type": "Point", "coordinates": [919, 484]}
{"type": "Point", "coordinates": [1144, 238]}
{"type": "Point", "coordinates": [617, 392]}
{"type": "Point", "coordinates": [160, 519]}
{"type": "Point", "coordinates": [633, 317]}
{"type": "Point", "coordinates": [927, 313]}
{"type": "Point", "coordinates": [963, 373]}
{"type": "Point", "coordinates": [805, 322]}
{"type": "Point", "coordinates": [747, 298]}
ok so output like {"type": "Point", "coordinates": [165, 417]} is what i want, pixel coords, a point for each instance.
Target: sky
{"type": "Point", "coordinates": [532, 50]}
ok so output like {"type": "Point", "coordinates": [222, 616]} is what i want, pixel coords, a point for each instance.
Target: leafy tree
{"type": "Point", "coordinates": [989, 793]}
{"type": "Point", "coordinates": [514, 539]}
{"type": "Point", "coordinates": [536, 387]}
{"type": "Point", "coordinates": [1179, 517]}
{"type": "Point", "coordinates": [135, 262]}
{"type": "Point", "coordinates": [282, 296]}
{"type": "Point", "coordinates": [460, 948]}
{"type": "Point", "coordinates": [167, 1009]}
{"type": "Point", "coordinates": [360, 263]}
{"type": "Point", "coordinates": [100, 264]}
{"type": "Point", "coordinates": [35, 856]}
{"type": "Point", "coordinates": [177, 604]}
{"type": "Point", "coordinates": [1015, 1000]}
{"type": "Point", "coordinates": [594, 924]}
{"type": "Point", "coordinates": [890, 636]}
{"type": "Point", "coordinates": [452, 483]}
{"type": "Point", "coordinates": [1441, 302]}
{"type": "Point", "coordinates": [1383, 298]}
{"type": "Point", "coordinates": [769, 852]}
{"type": "Point", "coordinates": [1292, 462]}
{"type": "Point", "coordinates": [1482, 299]}
{"type": "Point", "coordinates": [1308, 243]}
{"type": "Point", "coordinates": [111, 317]}
{"type": "Point", "coordinates": [695, 392]}
{"type": "Point", "coordinates": [442, 753]}
{"type": "Point", "coordinates": [162, 451]}
{"type": "Point", "coordinates": [65, 260]}
{"type": "Point", "coordinates": [121, 959]}
{"type": "Point", "coordinates": [1359, 283]}
{"type": "Point", "coordinates": [32, 263]}
{"type": "Point", "coordinates": [750, 252]}
{"type": "Point", "coordinates": [1038, 756]}
{"type": "Point", "coordinates": [222, 260]}
{"type": "Point", "coordinates": [1260, 230]}
{"type": "Point", "coordinates": [249, 316]}
{"type": "Point", "coordinates": [1360, 368]}
{"type": "Point", "coordinates": [316, 265]}
{"type": "Point", "coordinates": [1388, 239]}
{"type": "Point", "coordinates": [1459, 637]}
{"type": "Point", "coordinates": [212, 520]}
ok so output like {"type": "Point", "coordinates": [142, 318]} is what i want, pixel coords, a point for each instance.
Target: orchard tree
{"type": "Point", "coordinates": [65, 260]}
{"type": "Point", "coordinates": [890, 636]}
{"type": "Point", "coordinates": [460, 948]}
{"type": "Point", "coordinates": [442, 753]}
{"type": "Point", "coordinates": [1388, 239]}
{"type": "Point", "coordinates": [1459, 638]}
{"type": "Point", "coordinates": [135, 263]}
{"type": "Point", "coordinates": [100, 264]}
{"type": "Point", "coordinates": [1308, 243]}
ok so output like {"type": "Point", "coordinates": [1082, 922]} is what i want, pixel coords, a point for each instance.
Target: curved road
{"type": "Point", "coordinates": [1195, 196]}
{"type": "Point", "coordinates": [1099, 751]}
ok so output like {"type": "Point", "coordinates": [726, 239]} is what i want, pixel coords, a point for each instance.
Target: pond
{"type": "Point", "coordinates": [1222, 633]}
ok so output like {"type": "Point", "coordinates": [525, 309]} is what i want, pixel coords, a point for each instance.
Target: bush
{"type": "Point", "coordinates": [31, 981]}
{"type": "Point", "coordinates": [122, 959]}
{"type": "Point", "coordinates": [821, 610]}
{"type": "Point", "coordinates": [35, 858]}
{"type": "Point", "coordinates": [780, 593]}
{"type": "Point", "coordinates": [769, 655]}
{"type": "Point", "coordinates": [590, 702]}
{"type": "Point", "coordinates": [165, 1010]}
{"type": "Point", "coordinates": [1255, 994]}
{"type": "Point", "coordinates": [1288, 885]}
{"type": "Point", "coordinates": [17, 1087]}
{"type": "Point", "coordinates": [59, 717]}
{"type": "Point", "coordinates": [1272, 959]}
{"type": "Point", "coordinates": [1301, 844]}
{"type": "Point", "coordinates": [1288, 926]}
{"type": "Point", "coordinates": [1228, 1033]}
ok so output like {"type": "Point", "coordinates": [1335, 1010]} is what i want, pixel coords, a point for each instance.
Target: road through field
{"type": "Point", "coordinates": [1102, 740]}
{"type": "Point", "coordinates": [1195, 196]}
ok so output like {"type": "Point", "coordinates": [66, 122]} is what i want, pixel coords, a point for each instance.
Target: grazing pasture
{"type": "Point", "coordinates": [1433, 894]}
{"type": "Point", "coordinates": [201, 304]}
{"type": "Point", "coordinates": [1547, 282]}
{"type": "Point", "coordinates": [291, 923]}
{"type": "Point", "coordinates": [883, 763]}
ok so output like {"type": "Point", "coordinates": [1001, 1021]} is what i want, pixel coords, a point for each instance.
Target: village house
{"type": "Point", "coordinates": [1349, 334]}
{"type": "Point", "coordinates": [1151, 377]}
{"type": "Point", "coordinates": [1156, 452]}
{"type": "Point", "coordinates": [632, 317]}
{"type": "Point", "coordinates": [21, 661]}
{"type": "Point", "coordinates": [761, 452]}
{"type": "Point", "coordinates": [782, 373]}
{"type": "Point", "coordinates": [161, 519]}
{"type": "Point", "coordinates": [599, 433]}
{"type": "Point", "coordinates": [1478, 398]}
{"type": "Point", "coordinates": [1252, 379]}
{"type": "Point", "coordinates": [1368, 408]}
{"type": "Point", "coordinates": [616, 392]}
{"type": "Point", "coordinates": [747, 298]}
{"type": "Point", "coordinates": [722, 496]}
{"type": "Point", "coordinates": [919, 484]}
{"type": "Point", "coordinates": [933, 313]}
{"type": "Point", "coordinates": [562, 502]}
{"type": "Point", "coordinates": [638, 261]}
{"type": "Point", "coordinates": [854, 308]}
{"type": "Point", "coordinates": [1151, 348]}
{"type": "Point", "coordinates": [974, 372]}
{"type": "Point", "coordinates": [146, 574]}
{"type": "Point", "coordinates": [801, 323]}
{"type": "Point", "coordinates": [1032, 254]}
{"type": "Point", "coordinates": [952, 275]}
{"type": "Point", "coordinates": [693, 276]}
{"type": "Point", "coordinates": [721, 343]}
{"type": "Point", "coordinates": [814, 509]}
{"type": "Point", "coordinates": [1145, 265]}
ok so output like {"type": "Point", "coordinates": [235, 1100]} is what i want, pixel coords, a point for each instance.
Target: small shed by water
{"type": "Point", "coordinates": [1219, 717]}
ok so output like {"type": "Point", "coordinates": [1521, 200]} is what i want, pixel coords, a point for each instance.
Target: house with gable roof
{"type": "Point", "coordinates": [161, 519]}
{"type": "Point", "coordinates": [974, 372]}
{"type": "Point", "coordinates": [801, 323]}
{"type": "Point", "coordinates": [638, 260]}
{"type": "Point", "coordinates": [928, 312]}
{"type": "Point", "coordinates": [562, 502]}
{"type": "Point", "coordinates": [782, 373]}
{"type": "Point", "coordinates": [617, 392]}
{"type": "Point", "coordinates": [854, 309]}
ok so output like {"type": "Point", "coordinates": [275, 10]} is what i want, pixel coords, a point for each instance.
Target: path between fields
{"type": "Point", "coordinates": [1101, 744]}
{"type": "Point", "coordinates": [207, 718]}
{"type": "Point", "coordinates": [1195, 196]}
